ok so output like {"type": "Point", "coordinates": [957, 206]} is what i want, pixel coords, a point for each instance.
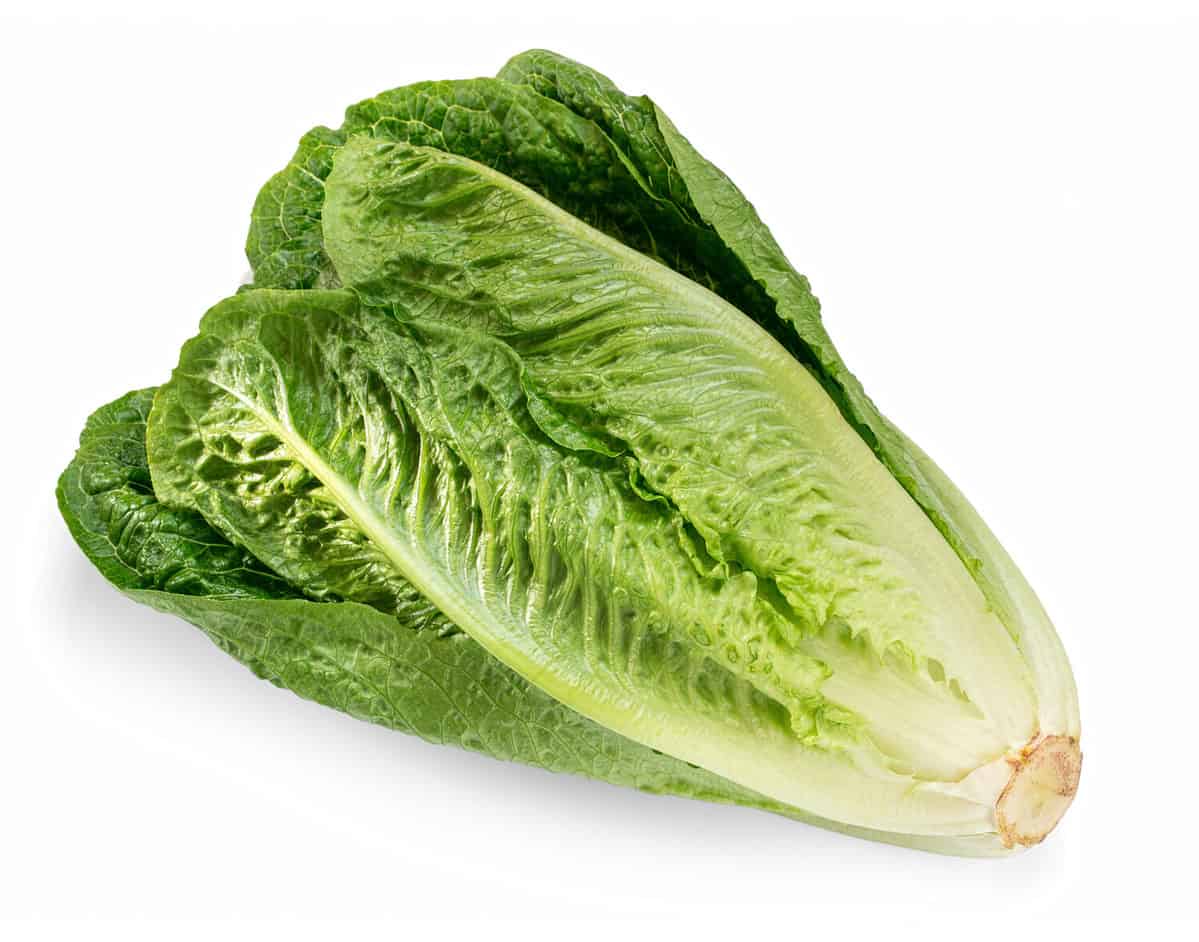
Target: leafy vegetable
{"type": "Point", "coordinates": [528, 438]}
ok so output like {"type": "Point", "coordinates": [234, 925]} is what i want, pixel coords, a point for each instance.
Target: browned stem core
{"type": "Point", "coordinates": [1043, 783]}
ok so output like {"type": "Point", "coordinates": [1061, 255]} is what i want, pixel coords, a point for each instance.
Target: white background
{"type": "Point", "coordinates": [999, 208]}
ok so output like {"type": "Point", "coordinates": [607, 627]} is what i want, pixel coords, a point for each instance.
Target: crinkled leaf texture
{"type": "Point", "coordinates": [618, 163]}
{"type": "Point", "coordinates": [419, 676]}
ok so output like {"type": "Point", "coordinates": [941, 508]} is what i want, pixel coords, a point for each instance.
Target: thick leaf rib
{"type": "Point", "coordinates": [423, 678]}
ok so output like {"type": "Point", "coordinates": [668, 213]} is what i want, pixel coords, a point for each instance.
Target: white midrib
{"type": "Point", "coordinates": [349, 500]}
{"type": "Point", "coordinates": [787, 772]}
{"type": "Point", "coordinates": [690, 295]}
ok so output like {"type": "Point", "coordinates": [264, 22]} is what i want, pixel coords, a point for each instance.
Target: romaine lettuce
{"type": "Point", "coordinates": [524, 389]}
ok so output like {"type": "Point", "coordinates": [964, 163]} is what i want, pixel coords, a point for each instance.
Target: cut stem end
{"type": "Point", "coordinates": [1044, 781]}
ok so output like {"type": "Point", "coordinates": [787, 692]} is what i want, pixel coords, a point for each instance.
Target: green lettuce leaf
{"type": "Point", "coordinates": [419, 676]}
{"type": "Point", "coordinates": [350, 448]}
{"type": "Point", "coordinates": [428, 680]}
